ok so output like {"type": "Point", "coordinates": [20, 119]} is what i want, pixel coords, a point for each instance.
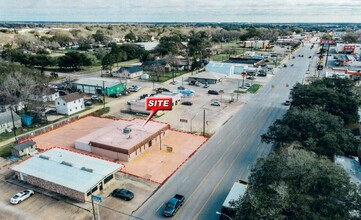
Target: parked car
{"type": "Point", "coordinates": [134, 88]}
{"type": "Point", "coordinates": [173, 205]}
{"type": "Point", "coordinates": [21, 196]}
{"type": "Point", "coordinates": [88, 103]}
{"type": "Point", "coordinates": [143, 96]}
{"type": "Point", "coordinates": [213, 92]}
{"type": "Point", "coordinates": [125, 92]}
{"type": "Point", "coordinates": [292, 64]}
{"type": "Point", "coordinates": [205, 85]}
{"type": "Point", "coordinates": [181, 88]}
{"type": "Point", "coordinates": [95, 98]}
{"type": "Point", "coordinates": [114, 95]}
{"type": "Point", "coordinates": [287, 103]}
{"type": "Point", "coordinates": [310, 57]}
{"type": "Point", "coordinates": [216, 103]}
{"type": "Point", "coordinates": [187, 103]}
{"type": "Point", "coordinates": [123, 194]}
{"type": "Point", "coordinates": [284, 65]}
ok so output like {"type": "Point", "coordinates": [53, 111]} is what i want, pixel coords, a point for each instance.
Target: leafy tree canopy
{"type": "Point", "coordinates": [296, 184]}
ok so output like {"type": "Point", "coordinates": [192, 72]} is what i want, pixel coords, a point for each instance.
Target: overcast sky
{"type": "Point", "coordinates": [181, 10]}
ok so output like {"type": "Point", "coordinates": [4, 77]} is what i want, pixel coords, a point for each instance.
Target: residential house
{"type": "Point", "coordinates": [6, 123]}
{"type": "Point", "coordinates": [69, 104]}
{"type": "Point", "coordinates": [44, 94]}
{"type": "Point", "coordinates": [148, 65]}
{"type": "Point", "coordinates": [129, 72]}
{"type": "Point", "coordinates": [23, 149]}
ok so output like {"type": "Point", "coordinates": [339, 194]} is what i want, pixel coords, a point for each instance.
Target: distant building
{"type": "Point", "coordinates": [6, 123]}
{"type": "Point", "coordinates": [24, 149]}
{"type": "Point", "coordinates": [97, 85]}
{"type": "Point", "coordinates": [70, 174]}
{"type": "Point", "coordinates": [123, 140]}
{"type": "Point", "coordinates": [129, 72]}
{"type": "Point", "coordinates": [206, 77]}
{"type": "Point", "coordinates": [69, 104]}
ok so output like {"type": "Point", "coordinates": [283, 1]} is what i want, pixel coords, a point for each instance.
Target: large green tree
{"type": "Point", "coordinates": [169, 45]}
{"type": "Point", "coordinates": [328, 99]}
{"type": "Point", "coordinates": [296, 184]}
{"type": "Point", "coordinates": [314, 130]}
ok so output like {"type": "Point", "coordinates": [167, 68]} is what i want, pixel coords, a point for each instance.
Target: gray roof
{"type": "Point", "coordinates": [96, 81]}
{"type": "Point", "coordinates": [207, 75]}
{"type": "Point", "coordinates": [5, 117]}
{"type": "Point", "coordinates": [68, 169]}
{"type": "Point", "coordinates": [71, 97]}
{"type": "Point", "coordinates": [24, 145]}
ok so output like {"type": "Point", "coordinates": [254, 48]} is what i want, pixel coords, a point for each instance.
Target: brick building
{"type": "Point", "coordinates": [123, 140]}
{"type": "Point", "coordinates": [70, 174]}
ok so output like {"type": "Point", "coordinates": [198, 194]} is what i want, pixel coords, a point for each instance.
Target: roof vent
{"type": "Point", "coordinates": [127, 130]}
{"type": "Point", "coordinates": [87, 169]}
{"type": "Point", "coordinates": [44, 157]}
{"type": "Point", "coordinates": [67, 164]}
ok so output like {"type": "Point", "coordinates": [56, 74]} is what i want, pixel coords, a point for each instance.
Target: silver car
{"type": "Point", "coordinates": [21, 196]}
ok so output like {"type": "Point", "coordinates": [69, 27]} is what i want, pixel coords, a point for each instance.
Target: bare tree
{"type": "Point", "coordinates": [156, 72]}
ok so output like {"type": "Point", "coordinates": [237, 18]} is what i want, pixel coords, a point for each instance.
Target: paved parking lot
{"type": "Point", "coordinates": [51, 206]}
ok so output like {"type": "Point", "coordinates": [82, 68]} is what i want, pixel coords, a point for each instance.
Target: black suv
{"type": "Point", "coordinates": [213, 92]}
{"type": "Point", "coordinates": [123, 194]}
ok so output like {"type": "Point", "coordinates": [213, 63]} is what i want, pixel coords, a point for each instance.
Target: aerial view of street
{"type": "Point", "coordinates": [189, 110]}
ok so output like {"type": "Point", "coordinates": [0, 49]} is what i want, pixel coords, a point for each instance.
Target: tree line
{"type": "Point", "coordinates": [300, 179]}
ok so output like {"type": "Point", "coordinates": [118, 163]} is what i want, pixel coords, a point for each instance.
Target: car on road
{"type": "Point", "coordinates": [213, 92]}
{"type": "Point", "coordinates": [187, 103]}
{"type": "Point", "coordinates": [310, 57]}
{"type": "Point", "coordinates": [143, 96]}
{"type": "Point", "coordinates": [21, 196]}
{"type": "Point", "coordinates": [174, 82]}
{"type": "Point", "coordinates": [293, 57]}
{"type": "Point", "coordinates": [284, 65]}
{"type": "Point", "coordinates": [123, 194]}
{"type": "Point", "coordinates": [216, 103]}
{"type": "Point", "coordinates": [173, 205]}
{"type": "Point", "coordinates": [292, 64]}
{"type": "Point", "coordinates": [287, 103]}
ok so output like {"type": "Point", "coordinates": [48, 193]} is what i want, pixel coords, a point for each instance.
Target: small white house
{"type": "Point", "coordinates": [6, 122]}
{"type": "Point", "coordinates": [69, 104]}
{"type": "Point", "coordinates": [45, 95]}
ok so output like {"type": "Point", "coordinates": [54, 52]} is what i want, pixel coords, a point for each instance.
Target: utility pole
{"type": "Point", "coordinates": [12, 118]}
{"type": "Point", "coordinates": [204, 122]}
{"type": "Point", "coordinates": [103, 95]}
{"type": "Point", "coordinates": [93, 207]}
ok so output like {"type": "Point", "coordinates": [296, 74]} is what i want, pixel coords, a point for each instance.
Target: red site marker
{"type": "Point", "coordinates": [155, 104]}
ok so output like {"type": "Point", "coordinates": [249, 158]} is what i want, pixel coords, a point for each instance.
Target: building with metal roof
{"type": "Point", "coordinates": [71, 174]}
{"type": "Point", "coordinates": [98, 85]}
{"type": "Point", "coordinates": [206, 77]}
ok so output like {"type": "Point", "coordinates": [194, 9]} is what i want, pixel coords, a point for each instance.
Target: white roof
{"type": "Point", "coordinates": [97, 81]}
{"type": "Point", "coordinates": [71, 175]}
{"type": "Point", "coordinates": [207, 75]}
{"type": "Point", "coordinates": [237, 191]}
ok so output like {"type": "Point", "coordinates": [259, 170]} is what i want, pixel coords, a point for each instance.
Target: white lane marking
{"type": "Point", "coordinates": [185, 179]}
{"type": "Point", "coordinates": [159, 208]}
{"type": "Point", "coordinates": [205, 157]}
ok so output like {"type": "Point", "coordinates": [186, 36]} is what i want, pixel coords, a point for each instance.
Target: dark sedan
{"type": "Point", "coordinates": [123, 194]}
{"type": "Point", "coordinates": [187, 103]}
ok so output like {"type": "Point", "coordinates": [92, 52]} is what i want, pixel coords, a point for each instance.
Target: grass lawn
{"type": "Point", "coordinates": [240, 91]}
{"type": "Point", "coordinates": [254, 88]}
{"type": "Point", "coordinates": [5, 151]}
{"type": "Point", "coordinates": [220, 57]}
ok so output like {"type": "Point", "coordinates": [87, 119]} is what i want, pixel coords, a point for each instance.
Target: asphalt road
{"type": "Point", "coordinates": [231, 152]}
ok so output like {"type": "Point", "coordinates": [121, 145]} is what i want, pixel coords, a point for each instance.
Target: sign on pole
{"type": "Point", "coordinates": [244, 74]}
{"type": "Point", "coordinates": [183, 120]}
{"type": "Point", "coordinates": [97, 198]}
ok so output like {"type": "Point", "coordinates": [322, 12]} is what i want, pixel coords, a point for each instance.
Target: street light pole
{"type": "Point", "coordinates": [103, 95]}
{"type": "Point", "coordinates": [220, 213]}
{"type": "Point", "coordinates": [192, 122]}
{"type": "Point", "coordinates": [204, 122]}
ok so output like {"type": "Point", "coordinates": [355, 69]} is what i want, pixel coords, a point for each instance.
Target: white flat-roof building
{"type": "Point", "coordinates": [71, 174]}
